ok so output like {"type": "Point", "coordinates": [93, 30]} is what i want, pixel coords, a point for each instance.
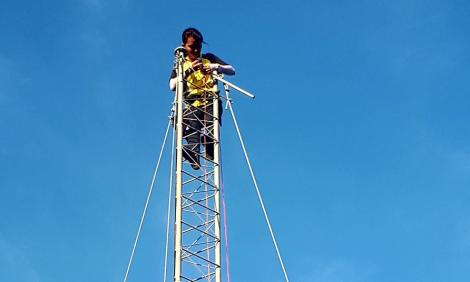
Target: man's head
{"type": "Point", "coordinates": [192, 42]}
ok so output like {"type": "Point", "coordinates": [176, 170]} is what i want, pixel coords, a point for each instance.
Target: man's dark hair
{"type": "Point", "coordinates": [192, 32]}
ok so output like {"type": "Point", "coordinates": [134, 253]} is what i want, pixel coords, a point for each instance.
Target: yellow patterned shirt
{"type": "Point", "coordinates": [197, 83]}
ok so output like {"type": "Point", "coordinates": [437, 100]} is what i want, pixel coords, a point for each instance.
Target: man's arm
{"type": "Point", "coordinates": [173, 80]}
{"type": "Point", "coordinates": [217, 64]}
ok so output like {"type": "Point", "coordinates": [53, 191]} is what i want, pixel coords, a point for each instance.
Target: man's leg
{"type": "Point", "coordinates": [206, 139]}
{"type": "Point", "coordinates": [192, 135]}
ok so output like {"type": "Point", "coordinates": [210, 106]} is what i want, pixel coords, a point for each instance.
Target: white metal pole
{"type": "Point", "coordinates": [220, 78]}
{"type": "Point", "coordinates": [179, 166]}
{"type": "Point", "coordinates": [218, 276]}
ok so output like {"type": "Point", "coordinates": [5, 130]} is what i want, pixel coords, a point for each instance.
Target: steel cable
{"type": "Point", "coordinates": [131, 258]}
{"type": "Point", "coordinates": [256, 186]}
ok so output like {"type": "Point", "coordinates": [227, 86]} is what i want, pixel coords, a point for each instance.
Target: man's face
{"type": "Point", "coordinates": [193, 47]}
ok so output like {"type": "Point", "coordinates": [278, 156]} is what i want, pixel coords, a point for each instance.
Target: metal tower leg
{"type": "Point", "coordinates": [179, 166]}
{"type": "Point", "coordinates": [216, 123]}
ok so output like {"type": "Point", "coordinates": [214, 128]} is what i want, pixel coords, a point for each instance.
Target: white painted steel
{"type": "Point", "coordinates": [179, 165]}
{"type": "Point", "coordinates": [218, 275]}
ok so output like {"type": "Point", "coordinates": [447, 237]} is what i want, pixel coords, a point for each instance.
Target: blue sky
{"type": "Point", "coordinates": [359, 137]}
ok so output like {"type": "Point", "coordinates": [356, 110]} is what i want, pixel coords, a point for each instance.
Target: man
{"type": "Point", "coordinates": [199, 90]}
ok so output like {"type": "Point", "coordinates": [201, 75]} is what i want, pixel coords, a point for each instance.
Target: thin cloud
{"type": "Point", "coordinates": [462, 239]}
{"type": "Point", "coordinates": [95, 40]}
{"type": "Point", "coordinates": [338, 271]}
{"type": "Point", "coordinates": [8, 72]}
{"type": "Point", "coordinates": [15, 264]}
{"type": "Point", "coordinates": [99, 5]}
{"type": "Point", "coordinates": [461, 160]}
{"type": "Point", "coordinates": [94, 4]}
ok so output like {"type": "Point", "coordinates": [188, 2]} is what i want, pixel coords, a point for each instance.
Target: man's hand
{"type": "Point", "coordinates": [206, 69]}
{"type": "Point", "coordinates": [197, 65]}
